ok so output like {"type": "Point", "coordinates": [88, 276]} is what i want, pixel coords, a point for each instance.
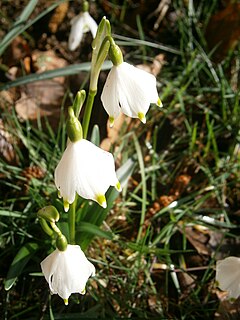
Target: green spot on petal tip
{"type": "Point", "coordinates": [118, 186]}
{"type": "Point", "coordinates": [83, 291]}
{"type": "Point", "coordinates": [65, 302]}
{"type": "Point", "coordinates": [66, 206]}
{"type": "Point", "coordinates": [141, 117]}
{"type": "Point", "coordinates": [111, 121]}
{"type": "Point", "coordinates": [101, 200]}
{"type": "Point", "coordinates": [159, 103]}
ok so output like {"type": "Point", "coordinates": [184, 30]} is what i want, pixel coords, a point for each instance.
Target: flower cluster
{"type": "Point", "coordinates": [86, 170]}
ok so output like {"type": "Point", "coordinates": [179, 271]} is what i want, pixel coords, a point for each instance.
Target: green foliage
{"type": "Point", "coordinates": [143, 248]}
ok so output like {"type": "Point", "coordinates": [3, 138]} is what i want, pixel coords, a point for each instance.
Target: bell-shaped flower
{"type": "Point", "coordinates": [81, 24]}
{"type": "Point", "coordinates": [87, 170]}
{"type": "Point", "coordinates": [67, 271]}
{"type": "Point", "coordinates": [228, 276]}
{"type": "Point", "coordinates": [129, 89]}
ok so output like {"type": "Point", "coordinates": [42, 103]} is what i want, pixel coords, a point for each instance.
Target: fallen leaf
{"type": "Point", "coordinates": [155, 67]}
{"type": "Point", "coordinates": [48, 60]}
{"type": "Point", "coordinates": [42, 98]}
{"type": "Point", "coordinates": [114, 132]}
{"type": "Point", "coordinates": [58, 16]}
{"type": "Point", "coordinates": [223, 30]}
{"type": "Point", "coordinates": [7, 142]}
{"type": "Point", "coordinates": [197, 239]}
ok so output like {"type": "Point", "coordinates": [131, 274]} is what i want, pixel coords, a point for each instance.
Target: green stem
{"type": "Point", "coordinates": [55, 228]}
{"type": "Point", "coordinates": [144, 186]}
{"type": "Point", "coordinates": [87, 112]}
{"type": "Point", "coordinates": [72, 220]}
{"type": "Point", "coordinates": [45, 227]}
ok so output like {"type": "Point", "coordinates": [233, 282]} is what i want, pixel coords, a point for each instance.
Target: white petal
{"type": "Point", "coordinates": [131, 88]}
{"type": "Point", "coordinates": [109, 94]}
{"type": "Point", "coordinates": [81, 24]}
{"type": "Point", "coordinates": [65, 178]}
{"type": "Point", "coordinates": [85, 169]}
{"type": "Point", "coordinates": [96, 170]}
{"type": "Point", "coordinates": [139, 89]}
{"type": "Point", "coordinates": [48, 266]}
{"type": "Point", "coordinates": [228, 276]}
{"type": "Point", "coordinates": [91, 24]}
{"type": "Point", "coordinates": [70, 271]}
{"type": "Point", "coordinates": [76, 32]}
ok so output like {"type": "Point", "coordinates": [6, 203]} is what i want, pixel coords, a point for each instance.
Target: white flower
{"type": "Point", "coordinates": [130, 88]}
{"type": "Point", "coordinates": [80, 24]}
{"type": "Point", "coordinates": [228, 276]}
{"type": "Point", "coordinates": [87, 170]}
{"type": "Point", "coordinates": [67, 271]}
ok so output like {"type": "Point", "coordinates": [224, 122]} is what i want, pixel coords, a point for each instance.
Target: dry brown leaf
{"type": "Point", "coordinates": [6, 99]}
{"type": "Point", "coordinates": [7, 142]}
{"type": "Point", "coordinates": [41, 98]}
{"type": "Point", "coordinates": [113, 133]}
{"type": "Point", "coordinates": [58, 16]}
{"type": "Point", "coordinates": [48, 60]}
{"type": "Point", "coordinates": [187, 283]}
{"type": "Point", "coordinates": [227, 310]}
{"type": "Point", "coordinates": [197, 239]}
{"type": "Point", "coordinates": [16, 52]}
{"type": "Point", "coordinates": [156, 66]}
{"type": "Point", "coordinates": [224, 30]}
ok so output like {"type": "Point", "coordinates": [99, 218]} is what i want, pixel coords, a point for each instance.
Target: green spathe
{"type": "Point", "coordinates": [49, 213]}
{"type": "Point", "coordinates": [115, 54]}
{"type": "Point", "coordinates": [74, 128]}
{"type": "Point", "coordinates": [85, 6]}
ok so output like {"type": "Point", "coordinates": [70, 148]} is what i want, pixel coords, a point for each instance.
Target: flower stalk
{"type": "Point", "coordinates": [45, 227]}
{"type": "Point", "coordinates": [88, 112]}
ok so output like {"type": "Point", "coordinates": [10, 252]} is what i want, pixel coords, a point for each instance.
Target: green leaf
{"type": "Point", "coordinates": [12, 214]}
{"type": "Point", "coordinates": [18, 25]}
{"type": "Point", "coordinates": [95, 136]}
{"type": "Point", "coordinates": [94, 230]}
{"type": "Point", "coordinates": [21, 24]}
{"type": "Point", "coordinates": [19, 262]}
{"type": "Point", "coordinates": [60, 72]}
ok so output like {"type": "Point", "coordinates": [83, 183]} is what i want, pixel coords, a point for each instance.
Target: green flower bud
{"type": "Point", "coordinates": [78, 102]}
{"type": "Point", "coordinates": [85, 7]}
{"type": "Point", "coordinates": [103, 30]}
{"type": "Point", "coordinates": [61, 242]}
{"type": "Point", "coordinates": [115, 54]}
{"type": "Point", "coordinates": [74, 128]}
{"type": "Point", "coordinates": [49, 213]}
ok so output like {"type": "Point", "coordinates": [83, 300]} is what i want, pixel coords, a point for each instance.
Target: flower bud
{"type": "Point", "coordinates": [74, 128]}
{"type": "Point", "coordinates": [49, 213]}
{"type": "Point", "coordinates": [85, 6]}
{"type": "Point", "coordinates": [115, 54]}
{"type": "Point", "coordinates": [78, 102]}
{"type": "Point", "coordinates": [61, 242]}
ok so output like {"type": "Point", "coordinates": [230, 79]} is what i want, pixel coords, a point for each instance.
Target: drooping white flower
{"type": "Point", "coordinates": [67, 271]}
{"type": "Point", "coordinates": [81, 24]}
{"type": "Point", "coordinates": [228, 276]}
{"type": "Point", "coordinates": [87, 170]}
{"type": "Point", "coordinates": [129, 89]}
